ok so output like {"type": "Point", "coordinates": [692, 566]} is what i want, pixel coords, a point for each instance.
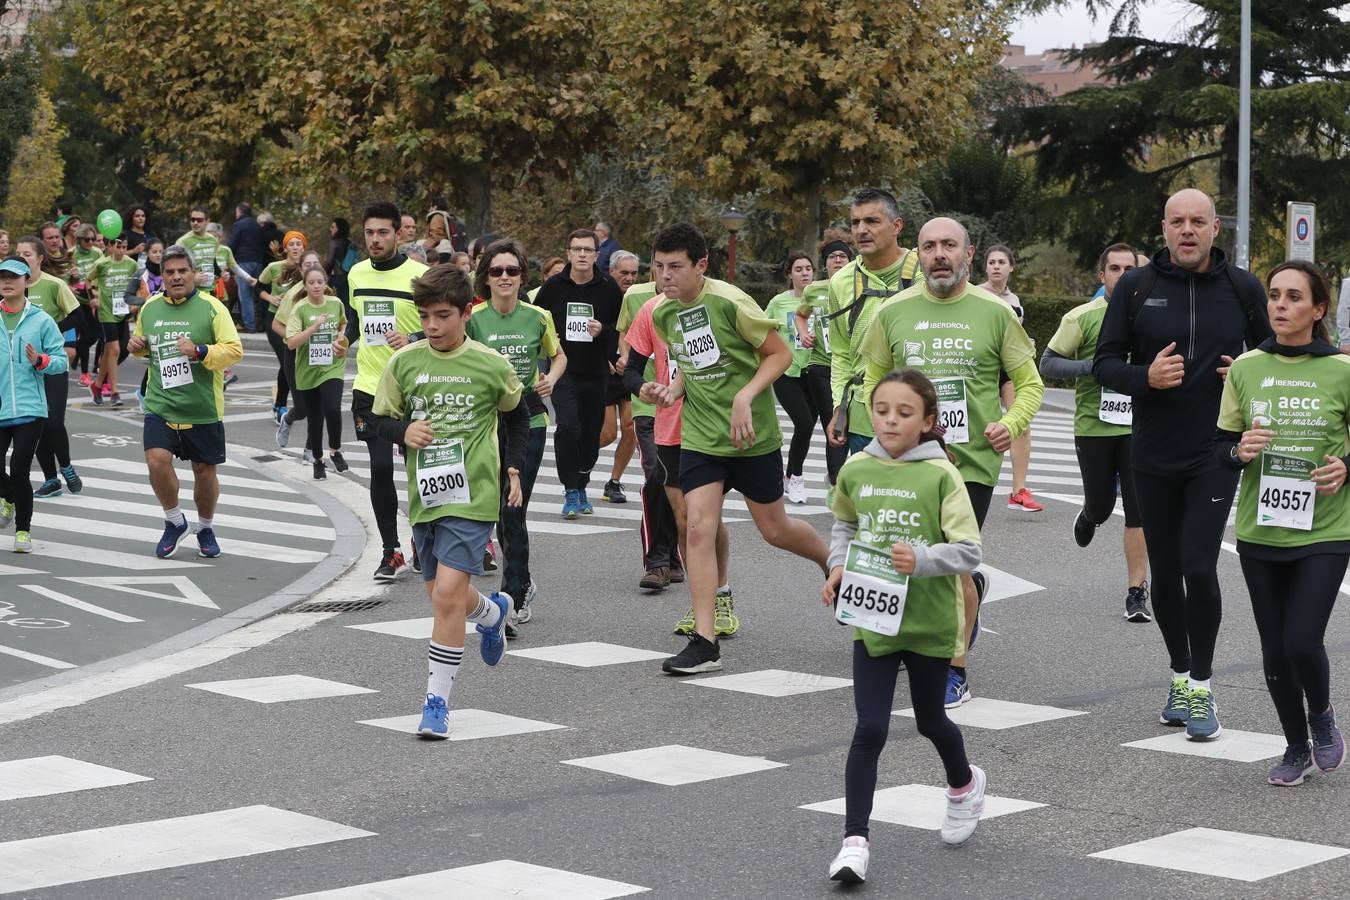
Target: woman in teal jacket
{"type": "Point", "coordinates": [31, 346]}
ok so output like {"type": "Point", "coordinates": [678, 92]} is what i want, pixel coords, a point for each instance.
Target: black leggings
{"type": "Point", "coordinates": [795, 398]}
{"type": "Point", "coordinates": [1184, 518]}
{"type": "Point", "coordinates": [818, 384]}
{"type": "Point", "coordinates": [15, 485]}
{"type": "Point", "coordinates": [579, 403]}
{"type": "Point", "coordinates": [299, 403]}
{"type": "Point", "coordinates": [279, 348]}
{"type": "Point", "coordinates": [54, 446]}
{"type": "Point", "coordinates": [383, 495]}
{"type": "Point", "coordinates": [1101, 460]}
{"type": "Point", "coordinates": [326, 403]}
{"type": "Point", "coordinates": [1292, 604]}
{"type": "Point", "coordinates": [88, 334]}
{"type": "Point", "coordinates": [873, 698]}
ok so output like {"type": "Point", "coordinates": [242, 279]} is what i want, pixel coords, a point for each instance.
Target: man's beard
{"type": "Point", "coordinates": [943, 287]}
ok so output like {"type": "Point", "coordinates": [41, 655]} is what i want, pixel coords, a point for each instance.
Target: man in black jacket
{"type": "Point", "coordinates": [1171, 330]}
{"type": "Point", "coordinates": [585, 306]}
{"type": "Point", "coordinates": [250, 252]}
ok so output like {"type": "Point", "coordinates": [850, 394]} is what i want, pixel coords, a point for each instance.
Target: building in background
{"type": "Point", "coordinates": [1051, 70]}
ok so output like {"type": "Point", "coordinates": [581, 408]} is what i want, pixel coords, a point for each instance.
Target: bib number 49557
{"type": "Point", "coordinates": [1287, 493]}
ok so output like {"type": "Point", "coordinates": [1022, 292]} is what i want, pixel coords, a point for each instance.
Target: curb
{"type": "Point", "coordinates": [348, 547]}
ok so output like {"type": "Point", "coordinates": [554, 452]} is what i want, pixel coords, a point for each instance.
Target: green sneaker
{"type": "Point", "coordinates": [686, 625]}
{"type": "Point", "coordinates": [1177, 710]}
{"type": "Point", "coordinates": [725, 621]}
{"type": "Point", "coordinates": [6, 513]}
{"type": "Point", "coordinates": [22, 542]}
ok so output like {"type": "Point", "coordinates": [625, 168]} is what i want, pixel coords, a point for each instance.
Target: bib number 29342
{"type": "Point", "coordinates": [441, 475]}
{"type": "Point", "coordinates": [872, 594]}
{"type": "Point", "coordinates": [953, 413]}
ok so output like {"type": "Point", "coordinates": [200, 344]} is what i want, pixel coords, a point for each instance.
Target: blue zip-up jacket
{"type": "Point", "coordinates": [23, 396]}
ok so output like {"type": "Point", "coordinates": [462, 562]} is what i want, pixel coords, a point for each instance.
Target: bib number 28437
{"type": "Point", "coordinates": [441, 475]}
{"type": "Point", "coordinates": [872, 594]}
{"type": "Point", "coordinates": [953, 413]}
{"type": "Point", "coordinates": [1116, 409]}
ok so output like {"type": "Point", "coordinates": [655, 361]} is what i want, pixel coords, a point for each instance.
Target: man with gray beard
{"type": "Point", "coordinates": [960, 336]}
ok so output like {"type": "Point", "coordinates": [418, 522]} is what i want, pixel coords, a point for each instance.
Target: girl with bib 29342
{"type": "Point", "coordinates": [904, 532]}
{"type": "Point", "coordinates": [1282, 421]}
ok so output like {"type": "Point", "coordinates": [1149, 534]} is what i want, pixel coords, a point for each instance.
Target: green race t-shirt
{"type": "Point", "coordinates": [268, 280]}
{"type": "Point", "coordinates": [203, 249]}
{"type": "Point", "coordinates": [288, 300]}
{"type": "Point", "coordinates": [855, 294]}
{"type": "Point", "coordinates": [113, 280]}
{"type": "Point", "coordinates": [1077, 339]}
{"type": "Point", "coordinates": [922, 502]}
{"type": "Point", "coordinates": [84, 261]}
{"type": "Point", "coordinates": [714, 340]}
{"type": "Point", "coordinates": [960, 343]}
{"type": "Point", "coordinates": [815, 304]}
{"type": "Point", "coordinates": [523, 336]}
{"type": "Point", "coordinates": [1305, 400]}
{"type": "Point", "coordinates": [53, 296]}
{"type": "Point", "coordinates": [316, 360]}
{"type": "Point", "coordinates": [183, 391]}
{"type": "Point", "coordinates": [460, 394]}
{"type": "Point", "coordinates": [382, 299]}
{"type": "Point", "coordinates": [633, 299]}
{"type": "Point", "coordinates": [783, 310]}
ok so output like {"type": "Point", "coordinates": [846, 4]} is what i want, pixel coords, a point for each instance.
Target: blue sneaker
{"type": "Point", "coordinates": [1203, 725]}
{"type": "Point", "coordinates": [981, 588]}
{"type": "Point", "coordinates": [1177, 710]}
{"type": "Point", "coordinates": [958, 690]}
{"type": "Point", "coordinates": [140, 400]}
{"type": "Point", "coordinates": [584, 505]}
{"type": "Point", "coordinates": [73, 482]}
{"type": "Point", "coordinates": [168, 542]}
{"type": "Point", "coordinates": [571, 507]}
{"type": "Point", "coordinates": [493, 642]}
{"type": "Point", "coordinates": [435, 719]}
{"type": "Point", "coordinates": [50, 488]}
{"type": "Point", "coordinates": [206, 543]}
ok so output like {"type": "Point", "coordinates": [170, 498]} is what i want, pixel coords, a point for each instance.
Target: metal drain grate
{"type": "Point", "coordinates": [337, 606]}
{"type": "Point", "coordinates": [268, 457]}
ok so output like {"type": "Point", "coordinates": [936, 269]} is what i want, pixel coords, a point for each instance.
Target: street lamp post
{"type": "Point", "coordinates": [732, 219]}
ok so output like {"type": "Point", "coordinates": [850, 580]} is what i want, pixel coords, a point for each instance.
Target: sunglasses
{"type": "Point", "coordinates": [499, 271]}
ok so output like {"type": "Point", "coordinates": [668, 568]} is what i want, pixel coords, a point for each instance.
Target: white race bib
{"type": "Point", "coordinates": [953, 415]}
{"type": "Point", "coordinates": [871, 594]}
{"type": "Point", "coordinates": [672, 367]}
{"type": "Point", "coordinates": [1287, 492]}
{"type": "Point", "coordinates": [1116, 409]}
{"type": "Point", "coordinates": [321, 348]}
{"type": "Point", "coordinates": [578, 322]}
{"type": "Point", "coordinates": [175, 370]}
{"type": "Point", "coordinates": [700, 345]}
{"type": "Point", "coordinates": [377, 322]}
{"type": "Point", "coordinates": [441, 476]}
{"type": "Point", "coordinates": [119, 305]}
{"type": "Point", "coordinates": [824, 334]}
{"type": "Point", "coordinates": [792, 328]}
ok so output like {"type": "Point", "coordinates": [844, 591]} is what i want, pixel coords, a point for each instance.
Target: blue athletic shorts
{"type": "Point", "coordinates": [457, 543]}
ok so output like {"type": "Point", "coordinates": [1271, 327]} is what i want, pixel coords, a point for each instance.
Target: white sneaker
{"type": "Point", "coordinates": [850, 866]}
{"type": "Point", "coordinates": [307, 458]}
{"type": "Point", "coordinates": [963, 813]}
{"type": "Point", "coordinates": [795, 488]}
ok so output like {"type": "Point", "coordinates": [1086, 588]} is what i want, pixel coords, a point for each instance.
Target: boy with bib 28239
{"type": "Point", "coordinates": [904, 532]}
{"type": "Point", "coordinates": [440, 398]}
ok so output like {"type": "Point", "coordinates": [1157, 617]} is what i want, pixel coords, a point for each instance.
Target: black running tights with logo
{"type": "Point", "coordinates": [795, 398]}
{"type": "Point", "coordinates": [54, 447]}
{"type": "Point", "coordinates": [579, 403]}
{"type": "Point", "coordinates": [873, 697]}
{"type": "Point", "coordinates": [325, 404]}
{"type": "Point", "coordinates": [1184, 518]}
{"type": "Point", "coordinates": [818, 384]}
{"type": "Point", "coordinates": [1102, 460]}
{"type": "Point", "coordinates": [659, 534]}
{"type": "Point", "coordinates": [15, 485]}
{"type": "Point", "coordinates": [1292, 602]}
{"type": "Point", "coordinates": [383, 496]}
{"type": "Point", "coordinates": [511, 528]}
{"type": "Point", "coordinates": [278, 345]}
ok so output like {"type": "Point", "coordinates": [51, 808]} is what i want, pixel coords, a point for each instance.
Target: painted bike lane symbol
{"type": "Point", "coordinates": [9, 617]}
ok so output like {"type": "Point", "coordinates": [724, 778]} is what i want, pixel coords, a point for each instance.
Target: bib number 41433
{"type": "Point", "coordinates": [872, 594]}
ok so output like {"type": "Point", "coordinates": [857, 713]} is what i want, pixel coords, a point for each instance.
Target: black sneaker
{"type": "Point", "coordinates": [1136, 604]}
{"type": "Point", "coordinates": [320, 470]}
{"type": "Point", "coordinates": [613, 492]}
{"type": "Point", "coordinates": [981, 588]}
{"type": "Point", "coordinates": [699, 655]}
{"type": "Point", "coordinates": [416, 561]}
{"type": "Point", "coordinates": [339, 463]}
{"type": "Point", "coordinates": [1083, 530]}
{"type": "Point", "coordinates": [389, 566]}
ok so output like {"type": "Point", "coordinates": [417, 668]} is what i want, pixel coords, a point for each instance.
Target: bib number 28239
{"type": "Point", "coordinates": [872, 594]}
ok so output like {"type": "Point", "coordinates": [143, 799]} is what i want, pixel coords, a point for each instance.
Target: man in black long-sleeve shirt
{"type": "Point", "coordinates": [1169, 348]}
{"type": "Point", "coordinates": [585, 307]}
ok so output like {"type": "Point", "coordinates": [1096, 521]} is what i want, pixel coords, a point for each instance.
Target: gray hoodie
{"type": "Point", "coordinates": [937, 559]}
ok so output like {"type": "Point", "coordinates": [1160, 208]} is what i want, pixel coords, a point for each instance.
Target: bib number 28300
{"type": "Point", "coordinates": [441, 475]}
{"type": "Point", "coordinates": [872, 594]}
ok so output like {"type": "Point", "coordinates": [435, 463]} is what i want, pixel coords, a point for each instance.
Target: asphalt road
{"type": "Point", "coordinates": [214, 795]}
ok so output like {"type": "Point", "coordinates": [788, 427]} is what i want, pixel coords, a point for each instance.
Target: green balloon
{"type": "Point", "coordinates": [110, 224]}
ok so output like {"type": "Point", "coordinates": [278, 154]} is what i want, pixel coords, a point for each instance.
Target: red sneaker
{"type": "Point", "coordinates": [1023, 501]}
{"type": "Point", "coordinates": [86, 379]}
{"type": "Point", "coordinates": [107, 390]}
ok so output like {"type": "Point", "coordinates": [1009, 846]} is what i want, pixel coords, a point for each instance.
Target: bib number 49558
{"type": "Point", "coordinates": [871, 594]}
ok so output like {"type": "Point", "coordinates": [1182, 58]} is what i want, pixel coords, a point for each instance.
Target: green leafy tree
{"type": "Point", "coordinates": [36, 173]}
{"type": "Point", "coordinates": [1170, 119]}
{"type": "Point", "coordinates": [18, 85]}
